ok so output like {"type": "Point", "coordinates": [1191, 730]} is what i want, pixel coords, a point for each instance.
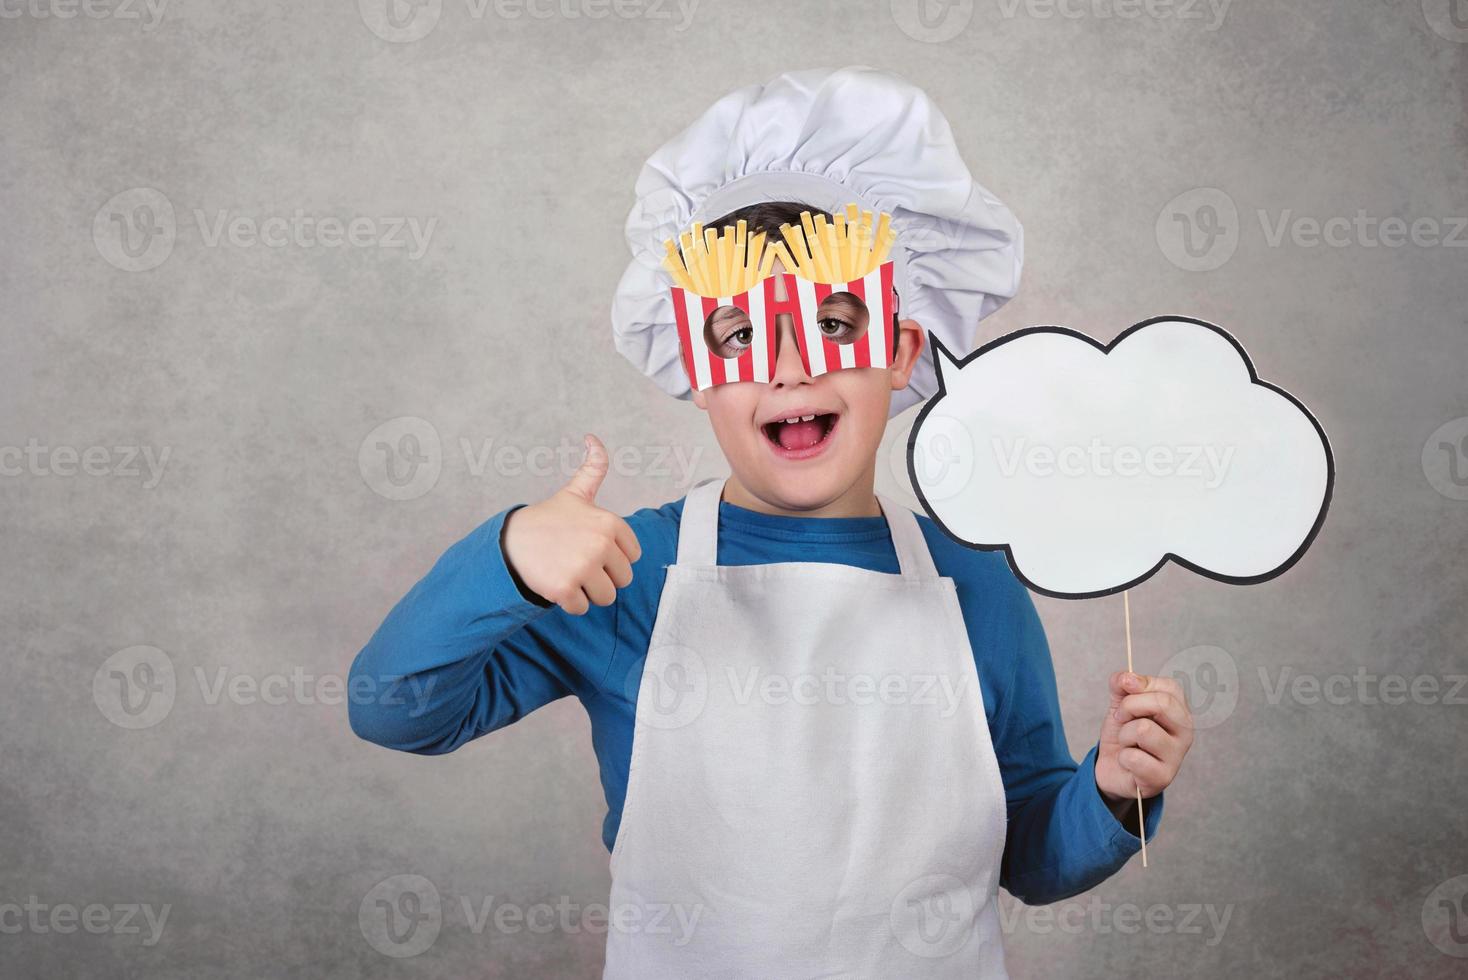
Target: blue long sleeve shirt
{"type": "Point", "coordinates": [466, 652]}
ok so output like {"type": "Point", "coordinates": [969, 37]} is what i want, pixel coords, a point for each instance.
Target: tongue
{"type": "Point", "coordinates": [800, 435]}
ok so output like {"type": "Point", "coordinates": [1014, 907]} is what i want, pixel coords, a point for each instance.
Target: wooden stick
{"type": "Point", "coordinates": [1126, 605]}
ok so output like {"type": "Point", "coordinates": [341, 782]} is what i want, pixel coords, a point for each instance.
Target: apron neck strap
{"type": "Point", "coordinates": [913, 557]}
{"type": "Point", "coordinates": [698, 532]}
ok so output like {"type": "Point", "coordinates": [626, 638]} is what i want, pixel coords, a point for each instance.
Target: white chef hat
{"type": "Point", "coordinates": [825, 138]}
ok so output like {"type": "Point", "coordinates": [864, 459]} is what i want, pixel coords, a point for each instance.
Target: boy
{"type": "Point", "coordinates": [826, 732]}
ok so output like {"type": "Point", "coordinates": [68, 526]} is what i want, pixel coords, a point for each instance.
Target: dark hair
{"type": "Point", "coordinates": [768, 216]}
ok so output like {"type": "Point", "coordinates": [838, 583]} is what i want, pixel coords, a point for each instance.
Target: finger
{"type": "Point", "coordinates": [586, 481]}
{"type": "Point", "coordinates": [1177, 721]}
{"type": "Point", "coordinates": [1169, 712]}
{"type": "Point", "coordinates": [1150, 774]}
{"type": "Point", "coordinates": [1146, 734]}
{"type": "Point", "coordinates": [1167, 685]}
{"type": "Point", "coordinates": [1123, 683]}
{"type": "Point", "coordinates": [627, 540]}
{"type": "Point", "coordinates": [599, 588]}
{"type": "Point", "coordinates": [1177, 718]}
{"type": "Point", "coordinates": [1166, 710]}
{"type": "Point", "coordinates": [574, 602]}
{"type": "Point", "coordinates": [617, 567]}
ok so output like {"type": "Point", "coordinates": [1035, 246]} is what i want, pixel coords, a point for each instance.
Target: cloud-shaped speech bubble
{"type": "Point", "coordinates": [1093, 465]}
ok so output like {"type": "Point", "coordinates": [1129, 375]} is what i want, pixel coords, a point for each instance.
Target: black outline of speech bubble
{"type": "Point", "coordinates": [938, 346]}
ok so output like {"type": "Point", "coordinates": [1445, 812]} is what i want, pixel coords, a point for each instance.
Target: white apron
{"type": "Point", "coordinates": [812, 790]}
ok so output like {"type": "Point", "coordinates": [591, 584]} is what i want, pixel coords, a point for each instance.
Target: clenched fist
{"type": "Point", "coordinates": [568, 550]}
{"type": "Point", "coordinates": [1147, 730]}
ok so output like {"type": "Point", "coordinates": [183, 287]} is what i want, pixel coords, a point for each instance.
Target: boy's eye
{"type": "Point", "coordinates": [728, 332]}
{"type": "Point", "coordinates": [842, 318]}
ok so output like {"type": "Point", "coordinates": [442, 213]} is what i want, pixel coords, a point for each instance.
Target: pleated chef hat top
{"type": "Point", "coordinates": [825, 138]}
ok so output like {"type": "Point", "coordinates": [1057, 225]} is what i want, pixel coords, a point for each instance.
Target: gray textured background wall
{"type": "Point", "coordinates": [194, 498]}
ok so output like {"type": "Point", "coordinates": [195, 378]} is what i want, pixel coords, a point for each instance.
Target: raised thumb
{"type": "Point", "coordinates": [586, 481]}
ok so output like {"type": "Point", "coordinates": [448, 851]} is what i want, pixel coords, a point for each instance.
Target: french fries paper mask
{"type": "Point", "coordinates": [838, 292]}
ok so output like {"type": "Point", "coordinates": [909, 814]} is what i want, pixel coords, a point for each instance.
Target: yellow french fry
{"type": "Point", "coordinates": [755, 262]}
{"type": "Point", "coordinates": [767, 261]}
{"type": "Point", "coordinates": [697, 259]}
{"type": "Point", "coordinates": [807, 224]}
{"type": "Point", "coordinates": [838, 263]}
{"type": "Point", "coordinates": [801, 263]}
{"type": "Point", "coordinates": [674, 264]}
{"type": "Point", "coordinates": [833, 252]}
{"type": "Point", "coordinates": [741, 244]}
{"type": "Point", "coordinates": [885, 247]}
{"type": "Point", "coordinates": [724, 255]}
{"type": "Point", "coordinates": [819, 247]}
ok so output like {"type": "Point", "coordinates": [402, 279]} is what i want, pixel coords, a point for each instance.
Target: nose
{"type": "Point", "coordinates": [789, 368]}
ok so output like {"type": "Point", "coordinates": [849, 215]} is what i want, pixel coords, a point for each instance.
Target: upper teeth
{"type": "Point", "coordinates": [802, 418]}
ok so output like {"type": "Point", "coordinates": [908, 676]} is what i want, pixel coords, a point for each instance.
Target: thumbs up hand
{"type": "Point", "coordinates": [567, 549]}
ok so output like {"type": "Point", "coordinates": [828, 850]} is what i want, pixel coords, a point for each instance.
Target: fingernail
{"type": "Point", "coordinates": [1131, 681]}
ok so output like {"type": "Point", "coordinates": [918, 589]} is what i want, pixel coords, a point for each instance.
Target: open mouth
{"type": "Point", "coordinates": [800, 436]}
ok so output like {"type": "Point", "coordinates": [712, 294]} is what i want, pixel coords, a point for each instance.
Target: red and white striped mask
{"type": "Point", "coordinates": [824, 333]}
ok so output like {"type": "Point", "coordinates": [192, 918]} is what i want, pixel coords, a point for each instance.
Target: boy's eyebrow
{"type": "Point", "coordinates": [727, 313]}
{"type": "Point", "coordinates": [845, 300]}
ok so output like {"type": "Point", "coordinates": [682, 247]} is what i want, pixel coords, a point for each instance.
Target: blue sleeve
{"type": "Point", "coordinates": [466, 652]}
{"type": "Point", "coordinates": [1062, 839]}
